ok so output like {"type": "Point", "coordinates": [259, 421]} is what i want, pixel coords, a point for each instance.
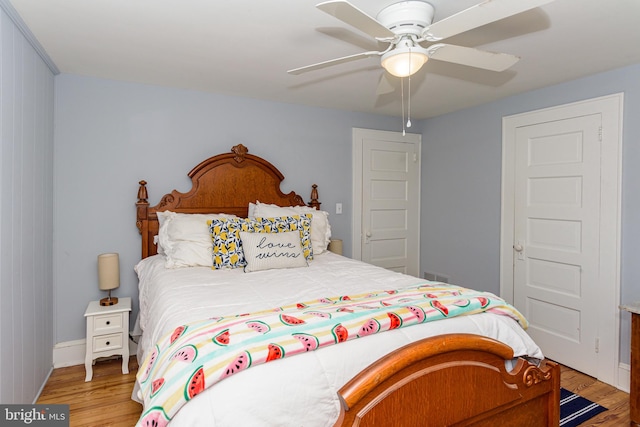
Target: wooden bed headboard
{"type": "Point", "coordinates": [225, 183]}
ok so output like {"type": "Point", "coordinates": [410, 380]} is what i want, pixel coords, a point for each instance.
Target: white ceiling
{"type": "Point", "coordinates": [244, 47]}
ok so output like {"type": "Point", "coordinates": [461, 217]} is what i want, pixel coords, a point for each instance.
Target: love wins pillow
{"type": "Point", "coordinates": [264, 251]}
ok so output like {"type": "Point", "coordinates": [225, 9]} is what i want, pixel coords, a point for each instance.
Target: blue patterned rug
{"type": "Point", "coordinates": [575, 409]}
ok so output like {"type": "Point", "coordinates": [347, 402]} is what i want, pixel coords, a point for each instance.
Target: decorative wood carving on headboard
{"type": "Point", "coordinates": [225, 183]}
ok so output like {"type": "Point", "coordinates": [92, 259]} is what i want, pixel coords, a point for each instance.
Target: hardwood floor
{"type": "Point", "coordinates": [616, 401]}
{"type": "Point", "coordinates": [106, 400]}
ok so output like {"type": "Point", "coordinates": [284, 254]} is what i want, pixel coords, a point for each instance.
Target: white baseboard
{"type": "Point", "coordinates": [624, 377]}
{"type": "Point", "coordinates": [71, 353]}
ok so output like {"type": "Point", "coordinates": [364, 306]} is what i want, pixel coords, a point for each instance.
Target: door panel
{"type": "Point", "coordinates": [570, 195]}
{"type": "Point", "coordinates": [389, 232]}
{"type": "Point", "coordinates": [557, 200]}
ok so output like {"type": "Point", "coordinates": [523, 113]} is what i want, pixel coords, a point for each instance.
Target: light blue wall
{"type": "Point", "coordinates": [462, 163]}
{"type": "Point", "coordinates": [109, 135]}
{"type": "Point", "coordinates": [26, 211]}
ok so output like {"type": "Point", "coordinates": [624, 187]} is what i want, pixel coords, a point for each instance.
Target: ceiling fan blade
{"type": "Point", "coordinates": [349, 14]}
{"type": "Point", "coordinates": [331, 62]}
{"type": "Point", "coordinates": [478, 15]}
{"type": "Point", "coordinates": [472, 57]}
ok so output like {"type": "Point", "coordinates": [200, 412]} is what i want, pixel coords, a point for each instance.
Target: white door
{"type": "Point", "coordinates": [557, 200]}
{"type": "Point", "coordinates": [560, 230]}
{"type": "Point", "coordinates": [387, 185]}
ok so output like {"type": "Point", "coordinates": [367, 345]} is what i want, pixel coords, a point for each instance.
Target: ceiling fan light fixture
{"type": "Point", "coordinates": [404, 61]}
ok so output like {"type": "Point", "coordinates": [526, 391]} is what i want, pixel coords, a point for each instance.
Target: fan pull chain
{"type": "Point", "coordinates": [409, 101]}
{"type": "Point", "coordinates": [406, 124]}
{"type": "Point", "coordinates": [402, 103]}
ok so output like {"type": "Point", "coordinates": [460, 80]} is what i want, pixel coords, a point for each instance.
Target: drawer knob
{"type": "Point", "coordinates": [108, 322]}
{"type": "Point", "coordinates": [108, 343]}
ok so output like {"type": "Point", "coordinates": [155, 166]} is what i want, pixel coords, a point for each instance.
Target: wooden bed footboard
{"type": "Point", "coordinates": [452, 380]}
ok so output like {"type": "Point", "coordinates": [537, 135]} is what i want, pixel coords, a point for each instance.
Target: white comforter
{"type": "Point", "coordinates": [299, 390]}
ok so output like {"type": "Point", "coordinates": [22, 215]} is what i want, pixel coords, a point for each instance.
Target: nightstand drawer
{"type": "Point", "coordinates": [107, 322]}
{"type": "Point", "coordinates": [107, 342]}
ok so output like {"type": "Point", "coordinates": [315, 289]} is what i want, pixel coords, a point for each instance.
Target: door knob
{"type": "Point", "coordinates": [519, 247]}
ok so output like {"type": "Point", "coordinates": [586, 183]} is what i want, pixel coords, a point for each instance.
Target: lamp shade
{"type": "Point", "coordinates": [335, 246]}
{"type": "Point", "coordinates": [108, 271]}
{"type": "Point", "coordinates": [404, 61]}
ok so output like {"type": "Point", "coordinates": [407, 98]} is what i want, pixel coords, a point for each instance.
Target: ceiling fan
{"type": "Point", "coordinates": [406, 25]}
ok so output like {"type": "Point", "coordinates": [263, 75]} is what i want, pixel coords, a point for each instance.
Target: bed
{"type": "Point", "coordinates": [478, 368]}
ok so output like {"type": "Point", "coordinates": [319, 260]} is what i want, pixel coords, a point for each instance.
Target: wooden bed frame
{"type": "Point", "coordinates": [452, 380]}
{"type": "Point", "coordinates": [456, 379]}
{"type": "Point", "coordinates": [225, 183]}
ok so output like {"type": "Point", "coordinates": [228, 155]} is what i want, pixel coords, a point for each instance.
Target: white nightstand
{"type": "Point", "coordinates": [107, 333]}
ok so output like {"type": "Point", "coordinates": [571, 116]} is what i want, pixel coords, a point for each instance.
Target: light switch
{"type": "Point", "coordinates": [338, 208]}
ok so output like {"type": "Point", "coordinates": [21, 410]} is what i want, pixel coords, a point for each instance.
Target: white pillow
{"type": "Point", "coordinates": [264, 251]}
{"type": "Point", "coordinates": [156, 238]}
{"type": "Point", "coordinates": [162, 230]}
{"type": "Point", "coordinates": [185, 240]}
{"type": "Point", "coordinates": [320, 228]}
{"type": "Point", "coordinates": [252, 210]}
{"type": "Point", "coordinates": [156, 241]}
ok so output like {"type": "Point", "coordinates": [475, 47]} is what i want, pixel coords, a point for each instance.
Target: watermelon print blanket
{"type": "Point", "coordinates": [197, 355]}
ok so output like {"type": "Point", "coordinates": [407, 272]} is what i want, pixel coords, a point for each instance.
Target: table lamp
{"type": "Point", "coordinates": [108, 276]}
{"type": "Point", "coordinates": [335, 246]}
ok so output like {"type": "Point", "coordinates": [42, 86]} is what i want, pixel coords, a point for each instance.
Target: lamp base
{"type": "Point", "coordinates": [109, 301]}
